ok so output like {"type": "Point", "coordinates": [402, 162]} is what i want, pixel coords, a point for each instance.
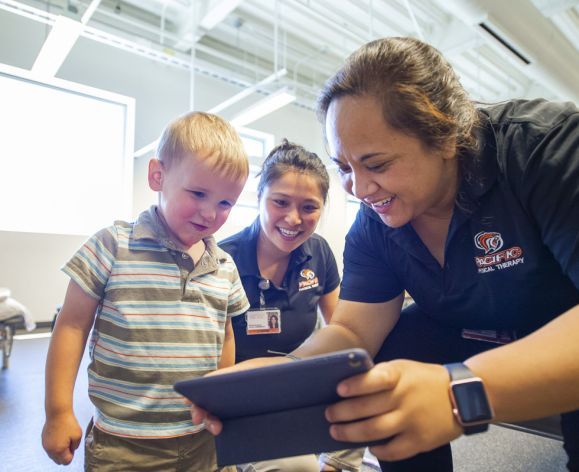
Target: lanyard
{"type": "Point", "coordinates": [263, 284]}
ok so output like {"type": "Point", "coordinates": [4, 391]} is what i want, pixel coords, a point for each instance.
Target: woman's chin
{"type": "Point", "coordinates": [288, 245]}
{"type": "Point", "coordinates": [392, 221]}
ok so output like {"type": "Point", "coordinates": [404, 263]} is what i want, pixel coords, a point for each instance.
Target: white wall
{"type": "Point", "coordinates": [30, 262]}
{"type": "Point", "coordinates": [30, 266]}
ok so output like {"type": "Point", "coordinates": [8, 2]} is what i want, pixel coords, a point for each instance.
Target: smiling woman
{"type": "Point", "coordinates": [287, 270]}
{"type": "Point", "coordinates": [391, 171]}
{"type": "Point", "coordinates": [470, 211]}
{"type": "Point", "coordinates": [273, 253]}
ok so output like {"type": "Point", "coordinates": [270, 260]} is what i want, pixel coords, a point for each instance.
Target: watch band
{"type": "Point", "coordinates": [458, 371]}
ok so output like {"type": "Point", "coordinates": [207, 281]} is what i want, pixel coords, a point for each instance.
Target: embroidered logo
{"type": "Point", "coordinates": [310, 280]}
{"type": "Point", "coordinates": [489, 242]}
{"type": "Point", "coordinates": [494, 259]}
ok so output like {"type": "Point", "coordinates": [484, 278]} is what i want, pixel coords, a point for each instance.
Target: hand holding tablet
{"type": "Point", "coordinates": [278, 410]}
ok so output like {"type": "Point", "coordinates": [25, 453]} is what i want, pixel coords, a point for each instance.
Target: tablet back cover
{"type": "Point", "coordinates": [273, 435]}
{"type": "Point", "coordinates": [276, 411]}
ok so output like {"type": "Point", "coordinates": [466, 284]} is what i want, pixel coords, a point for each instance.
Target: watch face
{"type": "Point", "coordinates": [471, 401]}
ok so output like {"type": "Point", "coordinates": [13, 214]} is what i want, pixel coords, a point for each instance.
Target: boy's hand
{"type": "Point", "coordinates": [213, 424]}
{"type": "Point", "coordinates": [61, 436]}
{"type": "Point", "coordinates": [200, 416]}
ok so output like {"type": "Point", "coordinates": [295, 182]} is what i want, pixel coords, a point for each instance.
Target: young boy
{"type": "Point", "coordinates": [161, 295]}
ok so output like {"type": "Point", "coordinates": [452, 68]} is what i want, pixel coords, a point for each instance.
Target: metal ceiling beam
{"type": "Point", "coordinates": [532, 33]}
{"type": "Point", "coordinates": [217, 13]}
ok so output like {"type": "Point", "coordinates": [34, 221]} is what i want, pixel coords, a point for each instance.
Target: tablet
{"type": "Point", "coordinates": [276, 411]}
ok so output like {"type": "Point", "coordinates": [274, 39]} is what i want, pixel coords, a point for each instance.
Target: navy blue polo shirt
{"type": "Point", "coordinates": [298, 304]}
{"type": "Point", "coordinates": [512, 251]}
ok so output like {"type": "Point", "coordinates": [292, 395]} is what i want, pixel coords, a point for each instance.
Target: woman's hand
{"type": "Point", "coordinates": [403, 400]}
{"type": "Point", "coordinates": [252, 364]}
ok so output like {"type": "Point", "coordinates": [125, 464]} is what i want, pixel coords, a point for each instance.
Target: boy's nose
{"type": "Point", "coordinates": [208, 214]}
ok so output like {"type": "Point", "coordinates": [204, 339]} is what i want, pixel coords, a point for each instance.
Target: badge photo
{"type": "Point", "coordinates": [265, 321]}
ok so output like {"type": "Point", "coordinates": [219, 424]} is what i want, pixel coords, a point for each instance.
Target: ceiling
{"type": "Point", "coordinates": [501, 49]}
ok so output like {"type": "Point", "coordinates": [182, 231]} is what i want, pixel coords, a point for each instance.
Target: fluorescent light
{"type": "Point", "coordinates": [218, 13]}
{"type": "Point", "coordinates": [216, 109]}
{"type": "Point", "coordinates": [145, 149]}
{"type": "Point", "coordinates": [248, 91]}
{"type": "Point", "coordinates": [89, 11]}
{"type": "Point", "coordinates": [265, 106]}
{"type": "Point", "coordinates": [58, 44]}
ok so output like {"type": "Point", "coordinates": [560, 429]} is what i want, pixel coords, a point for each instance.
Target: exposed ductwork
{"type": "Point", "coordinates": [501, 50]}
{"type": "Point", "coordinates": [531, 42]}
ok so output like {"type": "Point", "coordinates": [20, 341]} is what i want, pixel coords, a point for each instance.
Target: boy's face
{"type": "Point", "coordinates": [194, 198]}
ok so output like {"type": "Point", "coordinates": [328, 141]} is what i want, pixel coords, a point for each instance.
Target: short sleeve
{"type": "Point", "coordinates": [237, 302]}
{"type": "Point", "coordinates": [368, 276]}
{"type": "Point", "coordinates": [548, 188]}
{"type": "Point", "coordinates": [90, 267]}
{"type": "Point", "coordinates": [332, 276]}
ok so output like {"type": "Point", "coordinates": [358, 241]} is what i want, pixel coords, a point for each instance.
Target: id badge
{"type": "Point", "coordinates": [490, 336]}
{"type": "Point", "coordinates": [265, 321]}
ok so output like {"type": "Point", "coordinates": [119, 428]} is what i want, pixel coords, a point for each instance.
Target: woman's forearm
{"type": "Point", "coordinates": [333, 337]}
{"type": "Point", "coordinates": [536, 376]}
{"type": "Point", "coordinates": [354, 324]}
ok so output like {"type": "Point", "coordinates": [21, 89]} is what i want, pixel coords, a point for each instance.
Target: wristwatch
{"type": "Point", "coordinates": [470, 404]}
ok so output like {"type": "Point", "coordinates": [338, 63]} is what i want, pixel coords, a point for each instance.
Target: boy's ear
{"type": "Point", "coordinates": [156, 174]}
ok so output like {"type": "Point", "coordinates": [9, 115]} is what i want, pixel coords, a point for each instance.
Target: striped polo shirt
{"type": "Point", "coordinates": [161, 320]}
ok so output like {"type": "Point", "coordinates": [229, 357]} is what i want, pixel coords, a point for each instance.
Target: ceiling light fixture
{"type": "Point", "coordinates": [248, 91]}
{"type": "Point", "coordinates": [264, 107]}
{"type": "Point", "coordinates": [218, 13]}
{"type": "Point", "coordinates": [58, 44]}
{"type": "Point", "coordinates": [217, 108]}
{"type": "Point", "coordinates": [62, 37]}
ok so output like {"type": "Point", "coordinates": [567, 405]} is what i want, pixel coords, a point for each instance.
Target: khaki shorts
{"type": "Point", "coordinates": [109, 453]}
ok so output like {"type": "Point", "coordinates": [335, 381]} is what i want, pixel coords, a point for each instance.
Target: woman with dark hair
{"type": "Point", "coordinates": [474, 212]}
{"type": "Point", "coordinates": [273, 323]}
{"type": "Point", "coordinates": [288, 272]}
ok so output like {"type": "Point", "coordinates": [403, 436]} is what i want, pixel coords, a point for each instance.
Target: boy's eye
{"type": "Point", "coordinates": [225, 204]}
{"type": "Point", "coordinates": [197, 193]}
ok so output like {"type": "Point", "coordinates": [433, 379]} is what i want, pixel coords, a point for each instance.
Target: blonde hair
{"type": "Point", "coordinates": [206, 136]}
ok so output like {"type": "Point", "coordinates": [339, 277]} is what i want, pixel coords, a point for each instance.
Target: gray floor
{"type": "Point", "coordinates": [22, 410]}
{"type": "Point", "coordinates": [22, 417]}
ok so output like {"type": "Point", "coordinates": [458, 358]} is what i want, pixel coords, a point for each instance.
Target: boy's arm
{"type": "Point", "coordinates": [228, 353]}
{"type": "Point", "coordinates": [61, 434]}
